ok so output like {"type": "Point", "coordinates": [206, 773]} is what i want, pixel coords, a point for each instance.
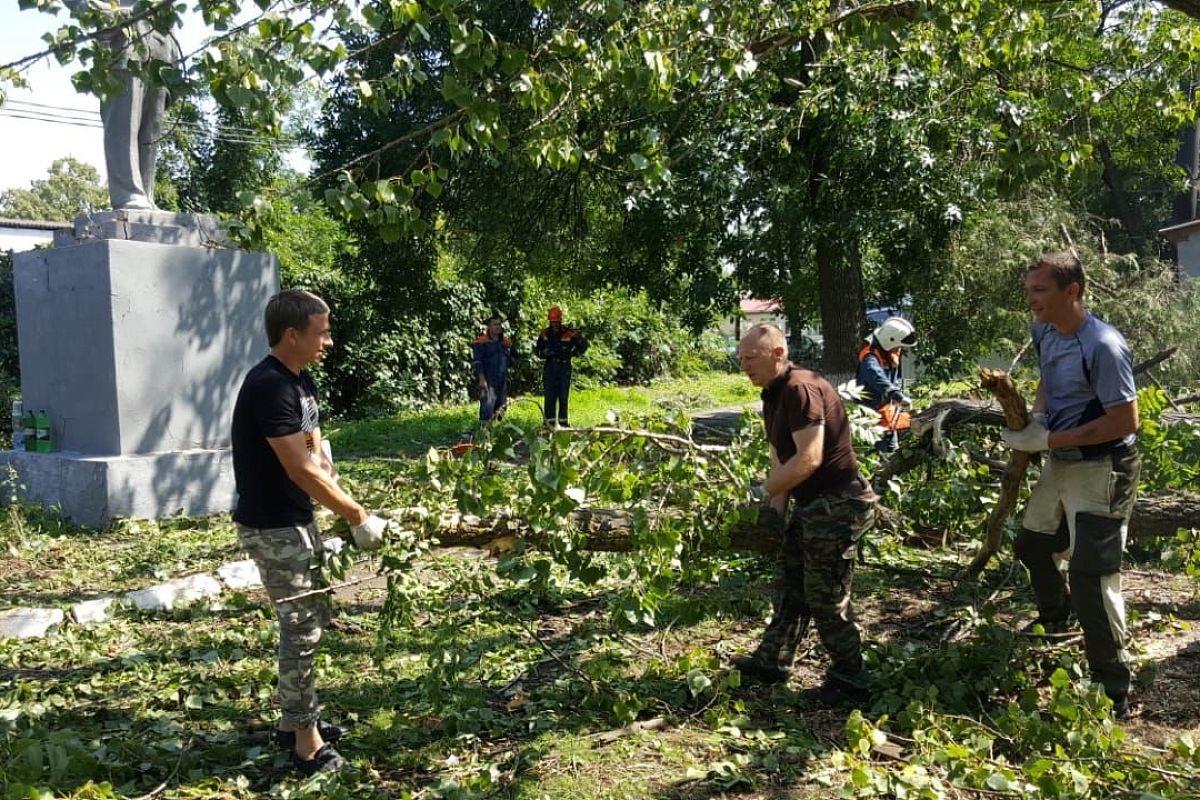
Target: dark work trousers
{"type": "Point", "coordinates": [556, 380]}
{"type": "Point", "coordinates": [889, 442]}
{"type": "Point", "coordinates": [814, 577]}
{"type": "Point", "coordinates": [493, 398]}
{"type": "Point", "coordinates": [1076, 522]}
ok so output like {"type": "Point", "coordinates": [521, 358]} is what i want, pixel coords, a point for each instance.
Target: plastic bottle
{"type": "Point", "coordinates": [43, 431]}
{"type": "Point", "coordinates": [18, 426]}
{"type": "Point", "coordinates": [30, 431]}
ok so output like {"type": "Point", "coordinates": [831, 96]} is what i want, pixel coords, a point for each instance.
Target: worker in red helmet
{"type": "Point", "coordinates": [557, 345]}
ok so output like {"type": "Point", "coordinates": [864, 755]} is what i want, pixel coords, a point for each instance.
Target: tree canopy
{"type": "Point", "coordinates": [821, 152]}
{"type": "Point", "coordinates": [71, 188]}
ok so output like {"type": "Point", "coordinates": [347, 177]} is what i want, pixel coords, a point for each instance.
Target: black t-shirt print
{"type": "Point", "coordinates": [309, 416]}
{"type": "Point", "coordinates": [272, 402]}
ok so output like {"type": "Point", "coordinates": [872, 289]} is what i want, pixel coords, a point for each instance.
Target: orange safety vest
{"type": "Point", "coordinates": [891, 416]}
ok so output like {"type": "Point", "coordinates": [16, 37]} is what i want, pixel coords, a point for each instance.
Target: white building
{"type": "Point", "coordinates": [751, 312]}
{"type": "Point", "coordinates": [19, 235]}
{"type": "Point", "coordinates": [1186, 238]}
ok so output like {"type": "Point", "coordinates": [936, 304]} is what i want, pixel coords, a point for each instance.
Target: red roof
{"type": "Point", "coordinates": [751, 305]}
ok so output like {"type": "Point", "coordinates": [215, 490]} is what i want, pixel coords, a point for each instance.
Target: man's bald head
{"type": "Point", "coordinates": [765, 336]}
{"type": "Point", "coordinates": [762, 354]}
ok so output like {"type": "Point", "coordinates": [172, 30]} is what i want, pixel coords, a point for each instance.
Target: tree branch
{"type": "Point", "coordinates": [54, 50]}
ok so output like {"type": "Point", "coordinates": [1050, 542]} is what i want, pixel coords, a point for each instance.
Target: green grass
{"type": "Point", "coordinates": [520, 703]}
{"type": "Point", "coordinates": [414, 432]}
{"type": "Point", "coordinates": [492, 689]}
{"type": "Point", "coordinates": [523, 704]}
{"type": "Point", "coordinates": [186, 698]}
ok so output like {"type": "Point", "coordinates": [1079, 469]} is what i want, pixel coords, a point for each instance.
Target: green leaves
{"type": "Point", "coordinates": [641, 471]}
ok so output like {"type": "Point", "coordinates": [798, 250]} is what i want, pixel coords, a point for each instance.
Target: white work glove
{"type": "Point", "coordinates": [369, 535]}
{"type": "Point", "coordinates": [1033, 438]}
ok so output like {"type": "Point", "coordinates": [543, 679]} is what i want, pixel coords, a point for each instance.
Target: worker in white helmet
{"type": "Point", "coordinates": [879, 375]}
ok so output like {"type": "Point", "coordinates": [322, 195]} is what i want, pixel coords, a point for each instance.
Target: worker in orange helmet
{"type": "Point", "coordinates": [557, 345]}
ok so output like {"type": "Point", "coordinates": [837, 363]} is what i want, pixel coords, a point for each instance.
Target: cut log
{"type": "Point", "coordinates": [1163, 514]}
{"type": "Point", "coordinates": [959, 411]}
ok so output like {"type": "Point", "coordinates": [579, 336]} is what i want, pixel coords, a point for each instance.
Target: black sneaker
{"type": "Point", "coordinates": [834, 693]}
{"type": "Point", "coordinates": [326, 760]}
{"type": "Point", "coordinates": [755, 669]}
{"type": "Point", "coordinates": [1120, 709]}
{"type": "Point", "coordinates": [1065, 626]}
{"type": "Point", "coordinates": [329, 732]}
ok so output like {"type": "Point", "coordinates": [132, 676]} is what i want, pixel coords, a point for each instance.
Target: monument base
{"type": "Point", "coordinates": [93, 490]}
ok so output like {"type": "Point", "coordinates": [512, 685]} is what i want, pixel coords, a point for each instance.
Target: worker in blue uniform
{"type": "Point", "coordinates": [557, 345]}
{"type": "Point", "coordinates": [491, 357]}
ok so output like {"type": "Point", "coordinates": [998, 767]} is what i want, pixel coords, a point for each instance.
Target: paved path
{"type": "Point", "coordinates": [718, 424]}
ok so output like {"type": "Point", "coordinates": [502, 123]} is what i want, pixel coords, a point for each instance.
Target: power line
{"type": "Point", "coordinates": [5, 112]}
{"type": "Point", "coordinates": [93, 114]}
{"type": "Point", "coordinates": [279, 142]}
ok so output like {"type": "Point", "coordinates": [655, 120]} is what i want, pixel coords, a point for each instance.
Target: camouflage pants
{"type": "Point", "coordinates": [289, 560]}
{"type": "Point", "coordinates": [814, 576]}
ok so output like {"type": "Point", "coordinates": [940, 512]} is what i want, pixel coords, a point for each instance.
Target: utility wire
{"type": "Point", "coordinates": [219, 134]}
{"type": "Point", "coordinates": [281, 144]}
{"type": "Point", "coordinates": [92, 113]}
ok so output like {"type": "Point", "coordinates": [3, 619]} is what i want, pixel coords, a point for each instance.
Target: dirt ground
{"type": "Point", "coordinates": [1164, 613]}
{"type": "Point", "coordinates": [1163, 610]}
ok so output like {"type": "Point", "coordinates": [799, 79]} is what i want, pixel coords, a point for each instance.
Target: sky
{"type": "Point", "coordinates": [27, 146]}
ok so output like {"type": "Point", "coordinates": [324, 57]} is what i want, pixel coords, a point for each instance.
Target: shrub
{"type": "Point", "coordinates": [10, 369]}
{"type": "Point", "coordinates": [630, 340]}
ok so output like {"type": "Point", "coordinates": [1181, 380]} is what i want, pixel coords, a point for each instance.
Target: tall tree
{"type": "Point", "coordinates": [973, 99]}
{"type": "Point", "coordinates": [70, 189]}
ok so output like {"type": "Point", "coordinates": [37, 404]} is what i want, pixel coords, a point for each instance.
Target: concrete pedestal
{"type": "Point", "coordinates": [135, 346]}
{"type": "Point", "coordinates": [92, 490]}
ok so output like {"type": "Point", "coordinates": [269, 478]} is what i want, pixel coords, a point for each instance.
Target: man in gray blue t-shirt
{"type": "Point", "coordinates": [1086, 415]}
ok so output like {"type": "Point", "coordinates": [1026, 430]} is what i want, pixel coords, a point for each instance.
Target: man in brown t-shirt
{"type": "Point", "coordinates": [812, 463]}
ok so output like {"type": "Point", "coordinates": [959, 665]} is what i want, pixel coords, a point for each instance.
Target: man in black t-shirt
{"type": "Point", "coordinates": [813, 464]}
{"type": "Point", "coordinates": [281, 468]}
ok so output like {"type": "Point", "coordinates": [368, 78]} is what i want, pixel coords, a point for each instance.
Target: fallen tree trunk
{"type": "Point", "coordinates": [1164, 513]}
{"type": "Point", "coordinates": [959, 411]}
{"type": "Point", "coordinates": [608, 529]}
{"type": "Point", "coordinates": [947, 414]}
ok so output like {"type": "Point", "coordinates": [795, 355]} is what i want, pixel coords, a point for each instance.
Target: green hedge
{"type": "Point", "coordinates": [407, 350]}
{"type": "Point", "coordinates": [630, 340]}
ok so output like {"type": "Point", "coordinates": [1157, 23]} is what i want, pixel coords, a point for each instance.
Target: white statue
{"type": "Point", "coordinates": [133, 117]}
